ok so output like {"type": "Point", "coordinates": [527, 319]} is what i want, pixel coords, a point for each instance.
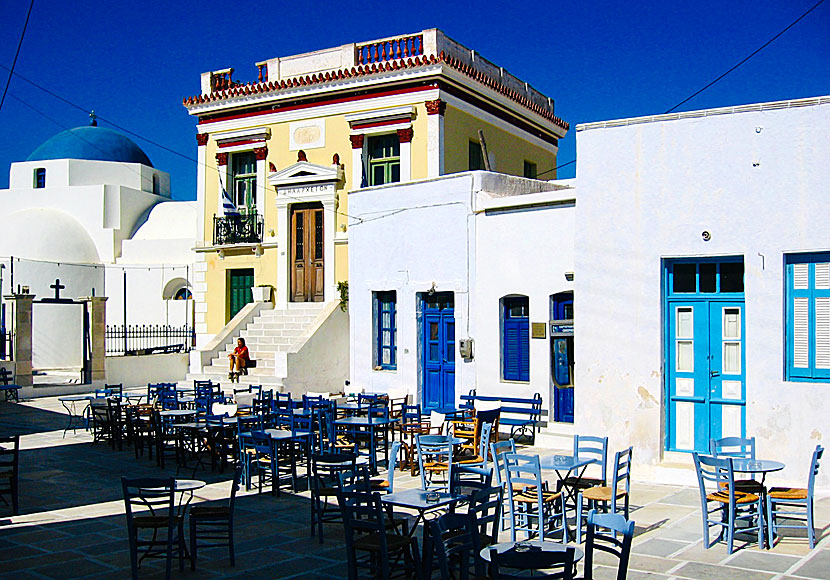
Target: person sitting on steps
{"type": "Point", "coordinates": [239, 359]}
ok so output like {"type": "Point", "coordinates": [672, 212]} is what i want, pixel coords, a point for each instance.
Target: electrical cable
{"type": "Point", "coordinates": [16, 54]}
{"type": "Point", "coordinates": [762, 47]}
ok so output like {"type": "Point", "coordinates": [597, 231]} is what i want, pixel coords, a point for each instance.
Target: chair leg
{"type": "Point", "coordinates": [192, 545]}
{"type": "Point", "coordinates": [770, 522]}
{"type": "Point", "coordinates": [811, 531]}
{"type": "Point", "coordinates": [579, 518]}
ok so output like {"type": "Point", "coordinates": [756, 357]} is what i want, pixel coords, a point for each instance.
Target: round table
{"type": "Point", "coordinates": [177, 413]}
{"type": "Point", "coordinates": [742, 465]}
{"type": "Point", "coordinates": [189, 484]}
{"type": "Point", "coordinates": [76, 418]}
{"type": "Point", "coordinates": [543, 545]}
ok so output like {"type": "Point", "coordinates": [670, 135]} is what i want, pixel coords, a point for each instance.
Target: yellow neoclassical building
{"type": "Point", "coordinates": [278, 156]}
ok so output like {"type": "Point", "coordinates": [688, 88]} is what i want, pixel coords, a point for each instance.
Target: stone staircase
{"type": "Point", "coordinates": [271, 331]}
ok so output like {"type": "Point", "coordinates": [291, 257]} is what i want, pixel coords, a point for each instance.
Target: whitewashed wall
{"type": "Point", "coordinates": [756, 180]}
{"type": "Point", "coordinates": [479, 235]}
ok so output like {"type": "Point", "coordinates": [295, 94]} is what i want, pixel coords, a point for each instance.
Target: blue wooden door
{"type": "Point", "coordinates": [438, 341]}
{"type": "Point", "coordinates": [705, 370]}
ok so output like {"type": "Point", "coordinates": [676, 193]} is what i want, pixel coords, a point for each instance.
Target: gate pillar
{"type": "Point", "coordinates": [22, 305]}
{"type": "Point", "coordinates": [97, 309]}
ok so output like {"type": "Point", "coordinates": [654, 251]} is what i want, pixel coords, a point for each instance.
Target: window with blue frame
{"type": "Point", "coordinates": [386, 330]}
{"type": "Point", "coordinates": [808, 317]}
{"type": "Point", "coordinates": [515, 339]}
{"type": "Point", "coordinates": [40, 178]}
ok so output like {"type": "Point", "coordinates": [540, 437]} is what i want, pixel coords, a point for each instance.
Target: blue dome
{"type": "Point", "coordinates": [92, 143]}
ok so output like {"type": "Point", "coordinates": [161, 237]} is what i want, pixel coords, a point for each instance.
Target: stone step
{"type": "Point", "coordinates": [261, 363]}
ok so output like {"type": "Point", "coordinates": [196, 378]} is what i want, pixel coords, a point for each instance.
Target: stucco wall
{"type": "Point", "coordinates": [756, 181]}
{"type": "Point", "coordinates": [134, 371]}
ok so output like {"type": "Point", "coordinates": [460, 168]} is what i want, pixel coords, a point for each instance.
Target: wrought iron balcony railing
{"type": "Point", "coordinates": [237, 229]}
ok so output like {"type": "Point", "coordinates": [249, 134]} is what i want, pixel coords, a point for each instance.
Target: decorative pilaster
{"type": "Point", "coordinates": [261, 153]}
{"type": "Point", "coordinates": [97, 308]}
{"type": "Point", "coordinates": [22, 337]}
{"type": "Point", "coordinates": [435, 137]}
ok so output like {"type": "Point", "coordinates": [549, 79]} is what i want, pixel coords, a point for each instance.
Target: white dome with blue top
{"type": "Point", "coordinates": [91, 143]}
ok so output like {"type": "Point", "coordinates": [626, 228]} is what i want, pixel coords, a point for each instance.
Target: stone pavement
{"type": "Point", "coordinates": [72, 523]}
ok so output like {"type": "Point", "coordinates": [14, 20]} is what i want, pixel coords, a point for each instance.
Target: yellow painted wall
{"type": "Point", "coordinates": [510, 151]}
{"type": "Point", "coordinates": [265, 267]}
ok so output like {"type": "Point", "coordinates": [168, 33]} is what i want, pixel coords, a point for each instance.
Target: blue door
{"type": "Point", "coordinates": [438, 344]}
{"type": "Point", "coordinates": [705, 370]}
{"type": "Point", "coordinates": [561, 356]}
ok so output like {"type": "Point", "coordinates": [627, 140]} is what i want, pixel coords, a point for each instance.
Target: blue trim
{"type": "Point", "coordinates": [810, 373]}
{"type": "Point", "coordinates": [386, 330]}
{"type": "Point", "coordinates": [515, 339]}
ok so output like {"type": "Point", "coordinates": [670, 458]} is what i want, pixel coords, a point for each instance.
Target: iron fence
{"type": "Point", "coordinates": [149, 339]}
{"type": "Point", "coordinates": [237, 229]}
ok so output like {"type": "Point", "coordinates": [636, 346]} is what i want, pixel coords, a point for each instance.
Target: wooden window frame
{"type": "Point", "coordinates": [812, 295]}
{"type": "Point", "coordinates": [387, 161]}
{"type": "Point", "coordinates": [386, 302]}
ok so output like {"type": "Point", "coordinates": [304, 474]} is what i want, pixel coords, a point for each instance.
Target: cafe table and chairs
{"type": "Point", "coordinates": [615, 497]}
{"type": "Point", "coordinates": [794, 505]}
{"type": "Point", "coordinates": [375, 427]}
{"type": "Point", "coordinates": [77, 407]}
{"type": "Point", "coordinates": [578, 474]}
{"type": "Point", "coordinates": [284, 456]}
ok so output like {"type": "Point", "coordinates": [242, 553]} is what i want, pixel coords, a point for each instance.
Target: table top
{"type": "Point", "coordinates": [755, 465]}
{"type": "Point", "coordinates": [365, 421]}
{"type": "Point", "coordinates": [438, 439]}
{"type": "Point", "coordinates": [279, 434]}
{"type": "Point", "coordinates": [197, 426]}
{"type": "Point", "coordinates": [546, 546]}
{"type": "Point", "coordinates": [77, 398]}
{"type": "Point", "coordinates": [565, 462]}
{"type": "Point", "coordinates": [177, 413]}
{"type": "Point", "coordinates": [189, 484]}
{"type": "Point", "coordinates": [416, 499]}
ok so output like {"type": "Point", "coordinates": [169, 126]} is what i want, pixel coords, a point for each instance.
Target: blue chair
{"type": "Point", "coordinates": [782, 500]}
{"type": "Point", "coordinates": [530, 500]}
{"type": "Point", "coordinates": [480, 459]}
{"type": "Point", "coordinates": [497, 452]}
{"type": "Point", "coordinates": [617, 494]}
{"type": "Point", "coordinates": [388, 485]}
{"type": "Point", "coordinates": [608, 542]}
{"type": "Point", "coordinates": [434, 457]}
{"type": "Point", "coordinates": [587, 446]}
{"type": "Point", "coordinates": [324, 481]}
{"type": "Point", "coordinates": [741, 448]}
{"type": "Point", "coordinates": [716, 480]}
{"type": "Point", "coordinates": [258, 457]}
{"type": "Point", "coordinates": [550, 565]}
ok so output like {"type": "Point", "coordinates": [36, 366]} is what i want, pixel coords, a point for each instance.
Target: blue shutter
{"type": "Point", "coordinates": [386, 329]}
{"type": "Point", "coordinates": [516, 342]}
{"type": "Point", "coordinates": [808, 317]}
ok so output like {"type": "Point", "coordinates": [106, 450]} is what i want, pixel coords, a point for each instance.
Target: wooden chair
{"type": "Point", "coordinates": [367, 532]}
{"type": "Point", "coordinates": [739, 447]}
{"type": "Point", "coordinates": [214, 524]}
{"type": "Point", "coordinates": [717, 486]}
{"type": "Point", "coordinates": [781, 501]}
{"type": "Point", "coordinates": [469, 431]}
{"type": "Point", "coordinates": [615, 496]}
{"type": "Point", "coordinates": [497, 452]}
{"type": "Point", "coordinates": [587, 446]}
{"type": "Point", "coordinates": [453, 544]}
{"type": "Point", "coordinates": [485, 506]}
{"type": "Point", "coordinates": [155, 501]}
{"type": "Point", "coordinates": [434, 458]}
{"type": "Point", "coordinates": [9, 470]}
{"type": "Point", "coordinates": [324, 484]}
{"type": "Point", "coordinates": [608, 542]}
{"type": "Point", "coordinates": [534, 503]}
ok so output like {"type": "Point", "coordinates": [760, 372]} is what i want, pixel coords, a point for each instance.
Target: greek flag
{"type": "Point", "coordinates": [228, 206]}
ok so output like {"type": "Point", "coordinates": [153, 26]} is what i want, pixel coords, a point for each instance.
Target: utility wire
{"type": "Point", "coordinates": [16, 54]}
{"type": "Point", "coordinates": [557, 167]}
{"type": "Point", "coordinates": [762, 47]}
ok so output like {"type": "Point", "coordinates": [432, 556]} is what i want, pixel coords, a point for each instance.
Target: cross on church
{"type": "Point", "coordinates": [58, 287]}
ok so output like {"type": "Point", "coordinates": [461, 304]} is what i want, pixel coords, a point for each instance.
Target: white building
{"type": "Point", "coordinates": [702, 286]}
{"type": "Point", "coordinates": [438, 261]}
{"type": "Point", "coordinates": [88, 208]}
{"type": "Point", "coordinates": [700, 260]}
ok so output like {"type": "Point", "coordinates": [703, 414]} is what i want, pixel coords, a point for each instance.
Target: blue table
{"type": "Point", "coordinates": [370, 425]}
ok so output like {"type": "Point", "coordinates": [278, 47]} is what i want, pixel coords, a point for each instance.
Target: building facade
{"type": "Point", "coordinates": [288, 147]}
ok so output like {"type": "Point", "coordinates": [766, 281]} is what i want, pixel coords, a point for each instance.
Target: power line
{"type": "Point", "coordinates": [16, 54]}
{"type": "Point", "coordinates": [557, 167]}
{"type": "Point", "coordinates": [762, 47]}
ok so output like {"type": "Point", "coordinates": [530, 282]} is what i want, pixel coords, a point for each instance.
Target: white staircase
{"type": "Point", "coordinates": [271, 331]}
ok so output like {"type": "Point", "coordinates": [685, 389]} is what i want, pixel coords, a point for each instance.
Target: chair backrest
{"type": "Point", "coordinates": [245, 425]}
{"type": "Point", "coordinates": [394, 449]}
{"type": "Point", "coordinates": [151, 493]}
{"type": "Point", "coordinates": [411, 414]}
{"type": "Point", "coordinates": [169, 397]}
{"type": "Point", "coordinates": [433, 450]}
{"type": "Point", "coordinates": [300, 424]}
{"type": "Point", "coordinates": [608, 542]}
{"type": "Point", "coordinates": [484, 443]}
{"type": "Point", "coordinates": [814, 466]}
{"type": "Point", "coordinates": [621, 476]}
{"type": "Point", "coordinates": [455, 544]}
{"type": "Point", "coordinates": [714, 475]}
{"type": "Point", "coordinates": [485, 505]}
{"type": "Point", "coordinates": [588, 446]}
{"type": "Point", "coordinates": [524, 471]}
{"type": "Point", "coordinates": [363, 516]}
{"type": "Point", "coordinates": [437, 421]}
{"type": "Point", "coordinates": [237, 480]}
{"type": "Point", "coordinates": [497, 451]}
{"type": "Point", "coordinates": [309, 401]}
{"type": "Point", "coordinates": [558, 565]}
{"type": "Point", "coordinates": [116, 389]}
{"type": "Point", "coordinates": [740, 447]}
{"type": "Point", "coordinates": [10, 455]}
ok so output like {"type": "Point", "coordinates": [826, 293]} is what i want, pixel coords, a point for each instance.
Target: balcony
{"type": "Point", "coordinates": [245, 228]}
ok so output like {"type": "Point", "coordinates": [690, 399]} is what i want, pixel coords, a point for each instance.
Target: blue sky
{"type": "Point", "coordinates": [132, 62]}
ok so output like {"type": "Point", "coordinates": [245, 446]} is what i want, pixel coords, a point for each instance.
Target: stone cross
{"type": "Point", "coordinates": [58, 287]}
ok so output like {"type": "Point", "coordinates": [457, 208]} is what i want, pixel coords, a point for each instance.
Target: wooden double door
{"type": "Point", "coordinates": [307, 251]}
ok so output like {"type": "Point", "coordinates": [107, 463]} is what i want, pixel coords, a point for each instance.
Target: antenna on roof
{"type": "Point", "coordinates": [93, 120]}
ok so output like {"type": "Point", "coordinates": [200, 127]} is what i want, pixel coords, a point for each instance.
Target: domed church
{"type": "Point", "coordinates": [87, 214]}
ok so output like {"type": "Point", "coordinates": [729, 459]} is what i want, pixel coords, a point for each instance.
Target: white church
{"type": "Point", "coordinates": [87, 214]}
